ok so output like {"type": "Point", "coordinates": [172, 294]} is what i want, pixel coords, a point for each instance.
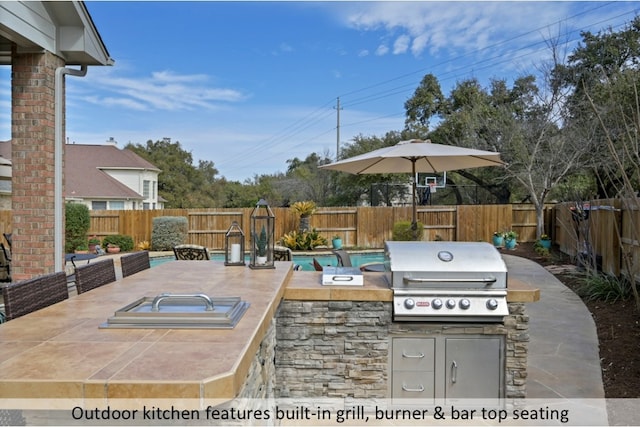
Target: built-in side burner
{"type": "Point", "coordinates": [179, 311]}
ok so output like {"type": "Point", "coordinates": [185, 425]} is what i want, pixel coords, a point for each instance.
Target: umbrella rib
{"type": "Point", "coordinates": [369, 166]}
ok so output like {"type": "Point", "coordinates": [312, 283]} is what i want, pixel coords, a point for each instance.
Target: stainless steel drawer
{"type": "Point", "coordinates": [413, 354]}
{"type": "Point", "coordinates": [413, 385]}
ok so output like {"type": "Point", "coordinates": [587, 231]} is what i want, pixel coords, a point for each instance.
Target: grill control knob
{"type": "Point", "coordinates": [409, 303]}
{"type": "Point", "coordinates": [451, 303]}
{"type": "Point", "coordinates": [465, 303]}
{"type": "Point", "coordinates": [492, 304]}
{"type": "Point", "coordinates": [436, 304]}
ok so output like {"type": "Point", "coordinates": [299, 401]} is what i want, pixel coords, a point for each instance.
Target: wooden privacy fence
{"type": "Point", "coordinates": [606, 231]}
{"type": "Point", "coordinates": [362, 227]}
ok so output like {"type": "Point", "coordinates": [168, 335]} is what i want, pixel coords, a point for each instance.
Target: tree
{"type": "Point", "coordinates": [180, 183]}
{"type": "Point", "coordinates": [305, 181]}
{"type": "Point", "coordinates": [523, 123]}
{"type": "Point", "coordinates": [601, 75]}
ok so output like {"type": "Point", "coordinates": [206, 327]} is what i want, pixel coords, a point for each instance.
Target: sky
{"type": "Point", "coordinates": [250, 85]}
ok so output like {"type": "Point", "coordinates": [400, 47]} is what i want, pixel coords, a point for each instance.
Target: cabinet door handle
{"type": "Point", "coordinates": [412, 356]}
{"type": "Point", "coordinates": [420, 388]}
{"type": "Point", "coordinates": [454, 372]}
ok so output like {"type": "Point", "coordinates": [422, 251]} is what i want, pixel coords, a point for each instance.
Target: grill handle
{"type": "Point", "coordinates": [487, 280]}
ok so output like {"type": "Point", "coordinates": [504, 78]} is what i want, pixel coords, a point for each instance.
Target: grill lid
{"type": "Point", "coordinates": [431, 264]}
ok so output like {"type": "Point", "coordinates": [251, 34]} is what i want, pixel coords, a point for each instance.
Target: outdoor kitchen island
{"type": "Point", "coordinates": [298, 338]}
{"type": "Point", "coordinates": [336, 341]}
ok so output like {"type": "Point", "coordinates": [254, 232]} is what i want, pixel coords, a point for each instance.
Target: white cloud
{"type": "Point", "coordinates": [401, 45]}
{"type": "Point", "coordinates": [162, 90]}
{"type": "Point", "coordinates": [452, 26]}
{"type": "Point", "coordinates": [382, 50]}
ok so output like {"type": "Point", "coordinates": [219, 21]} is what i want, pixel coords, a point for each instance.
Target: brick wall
{"type": "Point", "coordinates": [33, 144]}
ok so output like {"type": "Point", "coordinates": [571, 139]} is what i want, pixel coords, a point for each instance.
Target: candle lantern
{"type": "Point", "coordinates": [262, 229]}
{"type": "Point", "coordinates": [234, 245]}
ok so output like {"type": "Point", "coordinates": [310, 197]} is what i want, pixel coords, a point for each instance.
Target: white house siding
{"type": "Point", "coordinates": [134, 179]}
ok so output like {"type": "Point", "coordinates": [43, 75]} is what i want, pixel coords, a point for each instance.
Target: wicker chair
{"type": "Point", "coordinates": [5, 264]}
{"type": "Point", "coordinates": [94, 275]}
{"type": "Point", "coordinates": [27, 296]}
{"type": "Point", "coordinates": [282, 253]}
{"type": "Point", "coordinates": [191, 253]}
{"type": "Point", "coordinates": [134, 263]}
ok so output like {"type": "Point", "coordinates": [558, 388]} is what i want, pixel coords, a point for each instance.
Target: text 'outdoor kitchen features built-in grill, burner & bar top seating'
{"type": "Point", "coordinates": [447, 281]}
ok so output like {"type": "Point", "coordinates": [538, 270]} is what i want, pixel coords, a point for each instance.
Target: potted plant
{"type": "Point", "coordinates": [261, 247]}
{"type": "Point", "coordinates": [82, 248]}
{"type": "Point", "coordinates": [498, 239]}
{"type": "Point", "coordinates": [545, 241]}
{"type": "Point", "coordinates": [336, 241]}
{"type": "Point", "coordinates": [93, 242]}
{"type": "Point", "coordinates": [510, 239]}
{"type": "Point", "coordinates": [305, 210]}
{"type": "Point", "coordinates": [113, 248]}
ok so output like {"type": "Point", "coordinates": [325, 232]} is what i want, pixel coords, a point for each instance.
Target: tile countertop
{"type": "Point", "coordinates": [307, 285]}
{"type": "Point", "coordinates": [60, 351]}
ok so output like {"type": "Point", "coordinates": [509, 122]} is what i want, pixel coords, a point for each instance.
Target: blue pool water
{"type": "Point", "coordinates": [305, 261]}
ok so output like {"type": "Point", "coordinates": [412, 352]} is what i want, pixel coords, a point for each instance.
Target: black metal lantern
{"type": "Point", "coordinates": [262, 229]}
{"type": "Point", "coordinates": [234, 245]}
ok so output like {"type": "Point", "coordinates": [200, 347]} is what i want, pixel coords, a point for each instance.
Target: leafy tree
{"type": "Point", "coordinates": [305, 181]}
{"type": "Point", "coordinates": [601, 74]}
{"type": "Point", "coordinates": [523, 124]}
{"type": "Point", "coordinates": [180, 183]}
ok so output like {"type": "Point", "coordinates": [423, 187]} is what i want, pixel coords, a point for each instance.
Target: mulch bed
{"type": "Point", "coordinates": [618, 326]}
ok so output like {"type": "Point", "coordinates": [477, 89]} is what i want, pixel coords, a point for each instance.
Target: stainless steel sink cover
{"type": "Point", "coordinates": [179, 311]}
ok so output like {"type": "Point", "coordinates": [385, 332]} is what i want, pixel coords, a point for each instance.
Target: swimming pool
{"type": "Point", "coordinates": [305, 261]}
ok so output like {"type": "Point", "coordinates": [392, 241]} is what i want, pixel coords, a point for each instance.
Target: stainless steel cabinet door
{"type": "Point", "coordinates": [473, 368]}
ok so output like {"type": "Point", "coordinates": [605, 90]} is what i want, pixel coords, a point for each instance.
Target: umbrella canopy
{"type": "Point", "coordinates": [416, 155]}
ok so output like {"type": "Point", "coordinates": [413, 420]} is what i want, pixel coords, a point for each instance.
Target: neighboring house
{"type": "Point", "coordinates": [5, 183]}
{"type": "Point", "coordinates": [101, 177]}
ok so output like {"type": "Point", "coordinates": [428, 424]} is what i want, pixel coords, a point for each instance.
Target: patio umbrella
{"type": "Point", "coordinates": [413, 156]}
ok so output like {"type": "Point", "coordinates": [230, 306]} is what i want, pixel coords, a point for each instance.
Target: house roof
{"type": "Point", "coordinates": [84, 170]}
{"type": "Point", "coordinates": [62, 27]}
{"type": "Point", "coordinates": [85, 176]}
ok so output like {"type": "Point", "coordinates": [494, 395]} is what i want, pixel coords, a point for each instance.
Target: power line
{"type": "Point", "coordinates": [322, 112]}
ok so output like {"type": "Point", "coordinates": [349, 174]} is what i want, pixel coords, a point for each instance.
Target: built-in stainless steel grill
{"type": "Point", "coordinates": [447, 281]}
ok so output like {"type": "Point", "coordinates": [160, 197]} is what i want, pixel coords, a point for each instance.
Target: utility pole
{"type": "Point", "coordinates": [338, 129]}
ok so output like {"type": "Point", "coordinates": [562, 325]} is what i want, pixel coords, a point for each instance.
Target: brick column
{"type": "Point", "coordinates": [33, 144]}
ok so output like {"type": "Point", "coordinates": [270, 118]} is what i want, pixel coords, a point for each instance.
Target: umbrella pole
{"type": "Point", "coordinates": [414, 221]}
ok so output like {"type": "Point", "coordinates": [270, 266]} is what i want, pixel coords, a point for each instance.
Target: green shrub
{"type": "Point", "coordinates": [123, 241]}
{"type": "Point", "coordinates": [77, 223]}
{"type": "Point", "coordinates": [402, 231]}
{"type": "Point", "coordinates": [604, 287]}
{"type": "Point", "coordinates": [541, 250]}
{"type": "Point", "coordinates": [305, 241]}
{"type": "Point", "coordinates": [168, 231]}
